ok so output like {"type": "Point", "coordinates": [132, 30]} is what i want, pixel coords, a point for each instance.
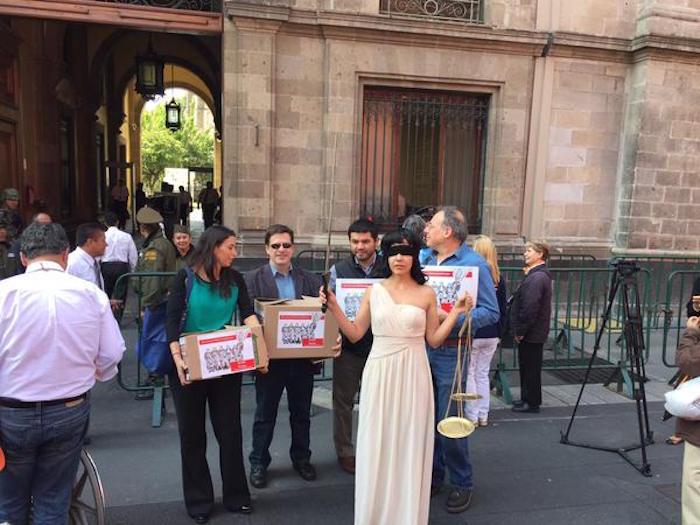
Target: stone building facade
{"type": "Point", "coordinates": [591, 138]}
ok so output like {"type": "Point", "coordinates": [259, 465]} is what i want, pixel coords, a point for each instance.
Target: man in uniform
{"type": "Point", "coordinates": [9, 214]}
{"type": "Point", "coordinates": [156, 255]}
{"type": "Point", "coordinates": [8, 266]}
{"type": "Point", "coordinates": [363, 263]}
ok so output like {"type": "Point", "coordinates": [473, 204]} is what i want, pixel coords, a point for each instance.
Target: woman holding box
{"type": "Point", "coordinates": [215, 293]}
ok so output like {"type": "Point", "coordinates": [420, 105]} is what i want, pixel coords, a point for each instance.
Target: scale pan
{"type": "Point", "coordinates": [455, 427]}
{"type": "Point", "coordinates": [465, 396]}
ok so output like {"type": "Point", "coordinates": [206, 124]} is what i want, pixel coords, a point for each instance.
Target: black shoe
{"type": "Point", "coordinates": [459, 500]}
{"type": "Point", "coordinates": [258, 476]}
{"type": "Point", "coordinates": [518, 403]}
{"type": "Point", "coordinates": [306, 470]}
{"type": "Point", "coordinates": [200, 518]}
{"type": "Point", "coordinates": [526, 408]}
{"type": "Point", "coordinates": [241, 509]}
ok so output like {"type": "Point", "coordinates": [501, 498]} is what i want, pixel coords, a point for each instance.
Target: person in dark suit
{"type": "Point", "coordinates": [280, 280]}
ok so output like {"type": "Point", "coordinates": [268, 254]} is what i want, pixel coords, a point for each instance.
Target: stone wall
{"type": "Point", "coordinates": [663, 212]}
{"type": "Point", "coordinates": [593, 127]}
{"type": "Point", "coordinates": [586, 116]}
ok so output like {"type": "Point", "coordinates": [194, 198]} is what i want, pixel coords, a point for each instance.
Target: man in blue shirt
{"type": "Point", "coordinates": [445, 236]}
{"type": "Point", "coordinates": [280, 280]}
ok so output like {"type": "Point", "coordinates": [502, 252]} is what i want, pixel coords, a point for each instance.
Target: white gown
{"type": "Point", "coordinates": [396, 426]}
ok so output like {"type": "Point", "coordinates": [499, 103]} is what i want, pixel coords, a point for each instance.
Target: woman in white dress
{"type": "Point", "coordinates": [396, 426]}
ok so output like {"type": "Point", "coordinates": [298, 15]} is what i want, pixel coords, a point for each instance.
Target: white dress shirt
{"type": "Point", "coordinates": [57, 335]}
{"type": "Point", "coordinates": [82, 265]}
{"type": "Point", "coordinates": [120, 247]}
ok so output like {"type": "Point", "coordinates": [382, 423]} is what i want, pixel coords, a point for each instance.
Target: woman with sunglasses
{"type": "Point", "coordinates": [396, 429]}
{"type": "Point", "coordinates": [205, 297]}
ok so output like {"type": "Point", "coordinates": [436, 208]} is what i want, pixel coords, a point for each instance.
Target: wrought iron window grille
{"type": "Point", "coordinates": [470, 11]}
{"type": "Point", "coordinates": [212, 6]}
{"type": "Point", "coordinates": [422, 148]}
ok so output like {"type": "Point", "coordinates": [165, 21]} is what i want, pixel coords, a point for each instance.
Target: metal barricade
{"type": "Point", "coordinates": [314, 260]}
{"type": "Point", "coordinates": [135, 378]}
{"type": "Point", "coordinates": [555, 260]}
{"type": "Point", "coordinates": [579, 299]}
{"type": "Point", "coordinates": [661, 267]}
{"type": "Point", "coordinates": [679, 288]}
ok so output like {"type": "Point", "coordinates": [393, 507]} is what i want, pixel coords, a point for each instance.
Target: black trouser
{"type": "Point", "coordinates": [111, 271]}
{"type": "Point", "coordinates": [120, 208]}
{"type": "Point", "coordinates": [184, 213]}
{"type": "Point", "coordinates": [297, 376]}
{"type": "Point", "coordinates": [208, 211]}
{"type": "Point", "coordinates": [224, 398]}
{"type": "Point", "coordinates": [530, 365]}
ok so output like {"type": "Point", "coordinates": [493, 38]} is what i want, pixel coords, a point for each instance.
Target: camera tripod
{"type": "Point", "coordinates": [624, 280]}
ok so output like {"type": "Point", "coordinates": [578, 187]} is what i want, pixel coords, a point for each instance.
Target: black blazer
{"type": "Point", "coordinates": [178, 294]}
{"type": "Point", "coordinates": [261, 283]}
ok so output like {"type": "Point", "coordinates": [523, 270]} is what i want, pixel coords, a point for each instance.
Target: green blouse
{"type": "Point", "coordinates": [207, 310]}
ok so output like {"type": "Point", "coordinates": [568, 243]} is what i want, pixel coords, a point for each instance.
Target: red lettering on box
{"type": "Point", "coordinates": [312, 342]}
{"type": "Point", "coordinates": [287, 317]}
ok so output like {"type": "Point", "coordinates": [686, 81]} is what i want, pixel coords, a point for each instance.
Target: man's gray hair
{"type": "Point", "coordinates": [43, 239]}
{"type": "Point", "coordinates": [454, 219]}
{"type": "Point", "coordinates": [415, 224]}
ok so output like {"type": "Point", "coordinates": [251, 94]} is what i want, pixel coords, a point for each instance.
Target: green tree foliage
{"type": "Point", "coordinates": [162, 148]}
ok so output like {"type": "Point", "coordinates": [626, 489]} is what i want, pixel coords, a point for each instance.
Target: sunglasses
{"type": "Point", "coordinates": [278, 245]}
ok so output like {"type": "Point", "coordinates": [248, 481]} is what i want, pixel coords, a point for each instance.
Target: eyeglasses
{"type": "Point", "coordinates": [278, 245]}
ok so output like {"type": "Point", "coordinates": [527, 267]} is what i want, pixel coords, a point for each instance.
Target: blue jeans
{"type": "Point", "coordinates": [449, 454]}
{"type": "Point", "coordinates": [42, 447]}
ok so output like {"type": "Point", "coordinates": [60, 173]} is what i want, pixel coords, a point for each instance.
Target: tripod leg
{"type": "Point", "coordinates": [606, 317]}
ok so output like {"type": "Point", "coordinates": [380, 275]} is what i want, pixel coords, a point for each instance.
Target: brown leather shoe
{"type": "Point", "coordinates": [347, 464]}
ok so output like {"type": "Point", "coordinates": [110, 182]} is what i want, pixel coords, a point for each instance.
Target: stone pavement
{"type": "Point", "coordinates": [522, 473]}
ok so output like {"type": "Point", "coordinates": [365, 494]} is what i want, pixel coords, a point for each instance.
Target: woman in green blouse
{"type": "Point", "coordinates": [217, 294]}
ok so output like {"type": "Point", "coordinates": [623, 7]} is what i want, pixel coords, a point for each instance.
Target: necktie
{"type": "Point", "coordinates": [98, 274]}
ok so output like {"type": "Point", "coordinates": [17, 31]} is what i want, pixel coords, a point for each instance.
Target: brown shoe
{"type": "Point", "coordinates": [347, 464]}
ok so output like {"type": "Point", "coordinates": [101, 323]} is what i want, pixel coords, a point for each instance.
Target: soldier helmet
{"type": "Point", "coordinates": [10, 194]}
{"type": "Point", "coordinates": [148, 215]}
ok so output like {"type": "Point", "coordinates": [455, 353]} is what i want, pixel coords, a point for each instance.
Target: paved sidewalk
{"type": "Point", "coordinates": [522, 473]}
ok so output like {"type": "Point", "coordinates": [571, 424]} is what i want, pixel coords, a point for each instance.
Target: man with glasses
{"type": "Point", "coordinates": [280, 280]}
{"type": "Point", "coordinates": [445, 236]}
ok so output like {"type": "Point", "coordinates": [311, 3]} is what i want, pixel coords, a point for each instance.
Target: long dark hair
{"type": "Point", "coordinates": [403, 236]}
{"type": "Point", "coordinates": [203, 257]}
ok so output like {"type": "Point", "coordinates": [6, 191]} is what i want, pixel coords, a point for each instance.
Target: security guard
{"type": "Point", "coordinates": [9, 214]}
{"type": "Point", "coordinates": [8, 266]}
{"type": "Point", "coordinates": [156, 255]}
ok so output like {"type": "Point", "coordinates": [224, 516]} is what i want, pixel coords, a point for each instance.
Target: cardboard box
{"type": "Point", "coordinates": [297, 328]}
{"type": "Point", "coordinates": [233, 350]}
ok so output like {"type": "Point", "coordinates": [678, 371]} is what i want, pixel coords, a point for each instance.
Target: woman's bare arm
{"type": "Point", "coordinates": [436, 332]}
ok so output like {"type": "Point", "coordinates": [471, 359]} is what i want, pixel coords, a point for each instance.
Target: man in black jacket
{"type": "Point", "coordinates": [280, 280]}
{"type": "Point", "coordinates": [363, 263]}
{"type": "Point", "coordinates": [529, 317]}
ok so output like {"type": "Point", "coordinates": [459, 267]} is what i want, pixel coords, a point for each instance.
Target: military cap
{"type": "Point", "coordinates": [10, 194]}
{"type": "Point", "coordinates": [148, 215]}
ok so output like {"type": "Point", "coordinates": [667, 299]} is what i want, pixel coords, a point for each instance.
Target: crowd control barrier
{"type": "Point", "coordinates": [678, 291]}
{"type": "Point", "coordinates": [579, 300]}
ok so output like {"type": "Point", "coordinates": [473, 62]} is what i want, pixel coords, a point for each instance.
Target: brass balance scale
{"type": "Point", "coordinates": [458, 426]}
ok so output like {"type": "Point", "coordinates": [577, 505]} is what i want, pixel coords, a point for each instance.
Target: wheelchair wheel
{"type": "Point", "coordinates": [87, 506]}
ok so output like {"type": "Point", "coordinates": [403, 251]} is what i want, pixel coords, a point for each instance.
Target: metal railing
{"type": "Point", "coordinates": [211, 6]}
{"type": "Point", "coordinates": [314, 260]}
{"type": "Point", "coordinates": [679, 289]}
{"type": "Point", "coordinates": [463, 10]}
{"type": "Point", "coordinates": [579, 299]}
